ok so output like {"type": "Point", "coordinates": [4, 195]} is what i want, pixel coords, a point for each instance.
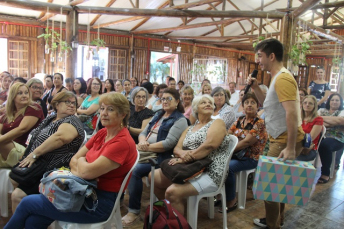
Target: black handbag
{"type": "Point", "coordinates": [30, 175]}
{"type": "Point", "coordinates": [181, 173]}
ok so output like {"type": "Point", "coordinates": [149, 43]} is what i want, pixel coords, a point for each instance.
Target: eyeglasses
{"type": "Point", "coordinates": [96, 84]}
{"type": "Point", "coordinates": [140, 97]}
{"type": "Point", "coordinates": [167, 99]}
{"type": "Point", "coordinates": [219, 95]}
{"type": "Point", "coordinates": [69, 103]}
{"type": "Point", "coordinates": [37, 88]}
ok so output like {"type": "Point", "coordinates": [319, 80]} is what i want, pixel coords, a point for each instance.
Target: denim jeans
{"type": "Point", "coordinates": [37, 212]}
{"type": "Point", "coordinates": [234, 167]}
{"type": "Point", "coordinates": [135, 186]}
{"type": "Point", "coordinates": [327, 146]}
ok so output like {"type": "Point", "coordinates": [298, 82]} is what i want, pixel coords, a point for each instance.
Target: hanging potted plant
{"type": "Point", "coordinates": [46, 36]}
{"type": "Point", "coordinates": [98, 43]}
{"type": "Point", "coordinates": [299, 51]}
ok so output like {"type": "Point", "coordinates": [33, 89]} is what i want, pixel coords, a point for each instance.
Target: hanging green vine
{"type": "Point", "coordinates": [260, 38]}
{"type": "Point", "coordinates": [299, 51]}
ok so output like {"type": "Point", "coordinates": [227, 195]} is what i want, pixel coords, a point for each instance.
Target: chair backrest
{"type": "Point", "coordinates": [323, 132]}
{"type": "Point", "coordinates": [232, 144]}
{"type": "Point", "coordinates": [118, 199]}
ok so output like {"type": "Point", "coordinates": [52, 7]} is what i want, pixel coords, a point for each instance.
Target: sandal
{"type": "Point", "coordinates": [323, 180]}
{"type": "Point", "coordinates": [231, 208]}
{"type": "Point", "coordinates": [128, 220]}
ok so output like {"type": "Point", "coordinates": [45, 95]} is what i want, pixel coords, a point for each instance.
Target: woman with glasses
{"type": "Point", "coordinates": [139, 113]}
{"type": "Point", "coordinates": [118, 86]}
{"type": "Point", "coordinates": [319, 87]}
{"type": "Point", "coordinates": [36, 90]}
{"type": "Point", "coordinates": [222, 108]}
{"type": "Point", "coordinates": [90, 105]}
{"type": "Point", "coordinates": [160, 136]}
{"type": "Point", "coordinates": [57, 139]}
{"type": "Point", "coordinates": [22, 115]}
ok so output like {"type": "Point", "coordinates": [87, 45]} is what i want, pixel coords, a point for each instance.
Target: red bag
{"type": "Point", "coordinates": [164, 216]}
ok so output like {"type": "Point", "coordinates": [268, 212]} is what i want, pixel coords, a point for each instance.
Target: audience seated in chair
{"type": "Point", "coordinates": [108, 157]}
{"type": "Point", "coordinates": [59, 137]}
{"type": "Point", "coordinates": [22, 115]}
{"type": "Point", "coordinates": [206, 138]}
{"type": "Point", "coordinates": [160, 136]}
{"type": "Point", "coordinates": [312, 124]}
{"type": "Point", "coordinates": [252, 137]}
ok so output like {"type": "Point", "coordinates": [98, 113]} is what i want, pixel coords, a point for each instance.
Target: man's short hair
{"type": "Point", "coordinates": [269, 46]}
{"type": "Point", "coordinates": [232, 83]}
{"type": "Point", "coordinates": [171, 79]}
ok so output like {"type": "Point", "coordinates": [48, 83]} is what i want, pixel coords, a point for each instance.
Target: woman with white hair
{"type": "Point", "coordinates": [206, 138]}
{"type": "Point", "coordinates": [139, 113]}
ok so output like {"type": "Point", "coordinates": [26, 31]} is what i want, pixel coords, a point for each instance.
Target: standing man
{"type": "Point", "coordinates": [282, 117]}
{"type": "Point", "coordinates": [234, 94]}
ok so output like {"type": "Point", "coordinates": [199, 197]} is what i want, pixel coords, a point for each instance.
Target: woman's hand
{"type": "Point", "coordinates": [143, 146]}
{"type": "Point", "coordinates": [175, 161]}
{"type": "Point", "coordinates": [28, 161]}
{"type": "Point", "coordinates": [186, 156]}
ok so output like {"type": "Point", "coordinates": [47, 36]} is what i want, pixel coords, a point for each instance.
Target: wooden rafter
{"type": "Point", "coordinates": [253, 25]}
{"type": "Point", "coordinates": [77, 2]}
{"type": "Point", "coordinates": [193, 18]}
{"type": "Point", "coordinates": [183, 6]}
{"type": "Point", "coordinates": [54, 8]}
{"type": "Point", "coordinates": [109, 4]}
{"type": "Point", "coordinates": [194, 4]}
{"type": "Point", "coordinates": [188, 26]}
{"type": "Point", "coordinates": [118, 22]}
{"type": "Point", "coordinates": [215, 37]}
{"type": "Point", "coordinates": [306, 5]}
{"type": "Point", "coordinates": [132, 4]}
{"type": "Point", "coordinates": [147, 18]}
{"type": "Point", "coordinates": [43, 13]}
{"type": "Point", "coordinates": [321, 32]}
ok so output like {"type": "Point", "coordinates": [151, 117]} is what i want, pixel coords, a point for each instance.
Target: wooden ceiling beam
{"type": "Point", "coordinates": [193, 18]}
{"type": "Point", "coordinates": [194, 4]}
{"type": "Point", "coordinates": [77, 2]}
{"type": "Point", "coordinates": [55, 8]}
{"type": "Point", "coordinates": [109, 4]}
{"type": "Point", "coordinates": [43, 13]}
{"type": "Point", "coordinates": [215, 37]}
{"type": "Point", "coordinates": [332, 27]}
{"type": "Point", "coordinates": [303, 8]}
{"type": "Point", "coordinates": [188, 26]}
{"type": "Point", "coordinates": [118, 22]}
{"type": "Point", "coordinates": [328, 5]}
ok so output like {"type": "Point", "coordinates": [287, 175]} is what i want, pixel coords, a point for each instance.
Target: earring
{"type": "Point", "coordinates": [121, 124]}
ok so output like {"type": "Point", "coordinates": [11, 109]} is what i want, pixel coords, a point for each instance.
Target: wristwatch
{"type": "Point", "coordinates": [34, 156]}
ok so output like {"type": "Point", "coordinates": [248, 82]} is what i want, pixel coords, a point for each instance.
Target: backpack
{"type": "Point", "coordinates": [164, 217]}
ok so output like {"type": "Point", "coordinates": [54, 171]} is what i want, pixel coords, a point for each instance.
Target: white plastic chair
{"type": "Point", "coordinates": [115, 216]}
{"type": "Point", "coordinates": [6, 187]}
{"type": "Point", "coordinates": [242, 187]}
{"type": "Point", "coordinates": [192, 205]}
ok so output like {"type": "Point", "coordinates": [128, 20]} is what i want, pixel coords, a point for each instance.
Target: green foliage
{"type": "Point", "coordinates": [98, 43]}
{"type": "Point", "coordinates": [49, 34]}
{"type": "Point", "coordinates": [336, 61]}
{"type": "Point", "coordinates": [159, 69]}
{"type": "Point", "coordinates": [299, 51]}
{"type": "Point", "coordinates": [260, 38]}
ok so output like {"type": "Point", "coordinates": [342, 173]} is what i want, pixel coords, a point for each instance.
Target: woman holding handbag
{"type": "Point", "coordinates": [205, 138]}
{"type": "Point", "coordinates": [252, 137]}
{"type": "Point", "coordinates": [22, 115]}
{"type": "Point", "coordinates": [53, 143]}
{"type": "Point", "coordinates": [160, 136]}
{"type": "Point", "coordinates": [108, 156]}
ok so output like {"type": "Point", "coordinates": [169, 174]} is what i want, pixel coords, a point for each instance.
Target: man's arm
{"type": "Point", "coordinates": [257, 91]}
{"type": "Point", "coordinates": [290, 108]}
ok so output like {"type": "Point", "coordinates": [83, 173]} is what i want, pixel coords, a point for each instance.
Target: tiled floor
{"type": "Point", "coordinates": [324, 211]}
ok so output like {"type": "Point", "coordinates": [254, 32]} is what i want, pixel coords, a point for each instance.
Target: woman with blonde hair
{"type": "Point", "coordinates": [206, 89]}
{"type": "Point", "coordinates": [311, 124]}
{"type": "Point", "coordinates": [22, 115]}
{"type": "Point", "coordinates": [6, 79]}
{"type": "Point", "coordinates": [187, 95]}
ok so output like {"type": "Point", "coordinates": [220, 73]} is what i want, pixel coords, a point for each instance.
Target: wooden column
{"type": "Point", "coordinates": [341, 75]}
{"type": "Point", "coordinates": [287, 35]}
{"type": "Point", "coordinates": [72, 57]}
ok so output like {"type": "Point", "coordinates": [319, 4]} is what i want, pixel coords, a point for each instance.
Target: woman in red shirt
{"type": "Point", "coordinates": [311, 123]}
{"type": "Point", "coordinates": [108, 156]}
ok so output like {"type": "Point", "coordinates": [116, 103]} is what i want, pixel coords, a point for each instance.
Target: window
{"type": "Point", "coordinates": [117, 64]}
{"type": "Point", "coordinates": [18, 58]}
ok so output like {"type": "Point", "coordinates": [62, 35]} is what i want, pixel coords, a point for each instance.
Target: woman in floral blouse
{"type": "Point", "coordinates": [333, 116]}
{"type": "Point", "coordinates": [252, 135]}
